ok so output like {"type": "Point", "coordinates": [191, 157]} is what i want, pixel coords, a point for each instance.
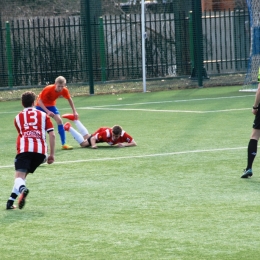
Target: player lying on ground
{"type": "Point", "coordinates": [113, 136]}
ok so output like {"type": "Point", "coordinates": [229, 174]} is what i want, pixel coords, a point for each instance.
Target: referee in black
{"type": "Point", "coordinates": [252, 145]}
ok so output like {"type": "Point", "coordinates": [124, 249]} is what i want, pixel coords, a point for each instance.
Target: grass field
{"type": "Point", "coordinates": [177, 195]}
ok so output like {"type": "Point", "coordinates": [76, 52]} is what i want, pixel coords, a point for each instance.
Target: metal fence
{"type": "Point", "coordinates": [226, 41]}
{"type": "Point", "coordinates": [34, 51]}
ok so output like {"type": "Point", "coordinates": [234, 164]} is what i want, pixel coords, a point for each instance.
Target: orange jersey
{"type": "Point", "coordinates": [48, 95]}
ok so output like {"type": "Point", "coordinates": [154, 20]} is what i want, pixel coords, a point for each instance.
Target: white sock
{"type": "Point", "coordinates": [15, 191]}
{"type": "Point", "coordinates": [18, 182]}
{"type": "Point", "coordinates": [82, 129]}
{"type": "Point", "coordinates": [77, 136]}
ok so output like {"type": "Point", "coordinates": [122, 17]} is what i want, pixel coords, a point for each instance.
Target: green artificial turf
{"type": "Point", "coordinates": [176, 195]}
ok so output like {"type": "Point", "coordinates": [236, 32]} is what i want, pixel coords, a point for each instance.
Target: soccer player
{"type": "Point", "coordinates": [255, 135]}
{"type": "Point", "coordinates": [31, 125]}
{"type": "Point", "coordinates": [113, 136]}
{"type": "Point", "coordinates": [46, 102]}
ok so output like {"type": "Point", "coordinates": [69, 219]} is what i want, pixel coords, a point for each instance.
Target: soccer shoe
{"type": "Point", "coordinates": [247, 173]}
{"type": "Point", "coordinates": [66, 147]}
{"type": "Point", "coordinates": [67, 126]}
{"type": "Point", "coordinates": [69, 116]}
{"type": "Point", "coordinates": [9, 205]}
{"type": "Point", "coordinates": [21, 201]}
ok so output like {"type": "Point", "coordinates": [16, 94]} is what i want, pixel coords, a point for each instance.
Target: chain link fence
{"type": "Point", "coordinates": [98, 42]}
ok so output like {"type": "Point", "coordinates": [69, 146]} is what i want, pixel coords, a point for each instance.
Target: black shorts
{"type": "Point", "coordinates": [28, 161]}
{"type": "Point", "coordinates": [89, 140]}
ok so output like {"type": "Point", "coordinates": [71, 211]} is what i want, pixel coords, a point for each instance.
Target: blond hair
{"type": "Point", "coordinates": [60, 80]}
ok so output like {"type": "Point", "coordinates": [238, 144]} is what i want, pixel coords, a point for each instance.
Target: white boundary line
{"type": "Point", "coordinates": [142, 156]}
{"type": "Point", "coordinates": [176, 101]}
{"type": "Point", "coordinates": [156, 102]}
{"type": "Point", "coordinates": [162, 110]}
{"type": "Point", "coordinates": [152, 110]}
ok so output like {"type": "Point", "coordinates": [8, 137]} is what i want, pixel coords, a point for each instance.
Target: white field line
{"type": "Point", "coordinates": [142, 156]}
{"type": "Point", "coordinates": [162, 110]}
{"type": "Point", "coordinates": [176, 101]}
{"type": "Point", "coordinates": [158, 102]}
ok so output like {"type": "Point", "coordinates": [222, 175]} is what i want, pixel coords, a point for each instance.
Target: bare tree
{"type": "Point", "coordinates": [29, 8]}
{"type": "Point", "coordinates": [240, 4]}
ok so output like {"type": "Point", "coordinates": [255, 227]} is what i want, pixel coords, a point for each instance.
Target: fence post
{"type": "Point", "coordinates": [199, 70]}
{"type": "Point", "coordinates": [191, 44]}
{"type": "Point", "coordinates": [102, 49]}
{"type": "Point", "coordinates": [9, 55]}
{"type": "Point", "coordinates": [198, 41]}
{"type": "Point", "coordinates": [88, 42]}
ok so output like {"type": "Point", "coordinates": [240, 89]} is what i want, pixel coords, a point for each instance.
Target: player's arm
{"type": "Point", "coordinates": [93, 142]}
{"type": "Point", "coordinates": [126, 141]}
{"type": "Point", "coordinates": [99, 136]}
{"type": "Point", "coordinates": [132, 143]}
{"type": "Point", "coordinates": [16, 126]}
{"type": "Point", "coordinates": [76, 115]}
{"type": "Point", "coordinates": [50, 158]}
{"type": "Point", "coordinates": [257, 100]}
{"type": "Point", "coordinates": [47, 111]}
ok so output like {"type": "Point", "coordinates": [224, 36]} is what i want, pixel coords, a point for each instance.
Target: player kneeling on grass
{"type": "Point", "coordinates": [32, 125]}
{"type": "Point", "coordinates": [113, 136]}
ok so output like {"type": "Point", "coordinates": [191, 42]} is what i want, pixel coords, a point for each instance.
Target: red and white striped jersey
{"type": "Point", "coordinates": [104, 134]}
{"type": "Point", "coordinates": [32, 125]}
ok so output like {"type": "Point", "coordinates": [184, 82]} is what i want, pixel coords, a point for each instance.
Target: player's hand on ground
{"type": "Point", "coordinates": [121, 145]}
{"type": "Point", "coordinates": [94, 147]}
{"type": "Point", "coordinates": [50, 159]}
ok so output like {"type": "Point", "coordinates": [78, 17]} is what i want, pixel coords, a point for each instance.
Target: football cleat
{"type": "Point", "coordinates": [247, 173]}
{"type": "Point", "coordinates": [69, 116]}
{"type": "Point", "coordinates": [21, 201]}
{"type": "Point", "coordinates": [67, 126]}
{"type": "Point", "coordinates": [9, 205]}
{"type": "Point", "coordinates": [66, 147]}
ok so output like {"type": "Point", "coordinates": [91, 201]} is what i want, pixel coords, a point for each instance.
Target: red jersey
{"type": "Point", "coordinates": [104, 134]}
{"type": "Point", "coordinates": [32, 126]}
{"type": "Point", "coordinates": [48, 95]}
